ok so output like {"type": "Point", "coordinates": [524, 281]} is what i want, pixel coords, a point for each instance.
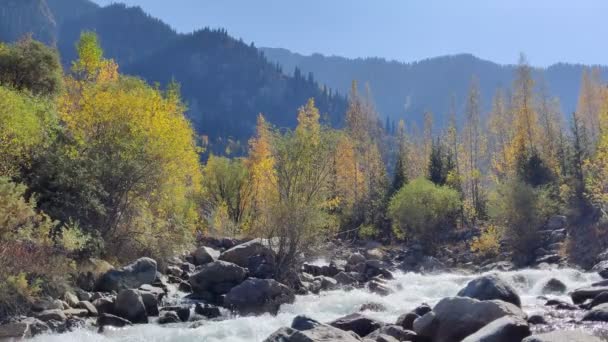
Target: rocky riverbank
{"type": "Point", "coordinates": [224, 279]}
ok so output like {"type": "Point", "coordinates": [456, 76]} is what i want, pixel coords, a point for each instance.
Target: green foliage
{"type": "Point", "coordinates": [34, 252]}
{"type": "Point", "coordinates": [30, 66]}
{"type": "Point", "coordinates": [532, 169]}
{"type": "Point", "coordinates": [227, 194]}
{"type": "Point", "coordinates": [421, 211]}
{"type": "Point", "coordinates": [521, 210]}
{"type": "Point", "coordinates": [26, 123]}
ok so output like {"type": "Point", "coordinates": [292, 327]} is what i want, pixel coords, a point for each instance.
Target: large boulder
{"type": "Point", "coordinates": [304, 329]}
{"type": "Point", "coordinates": [554, 285]}
{"type": "Point", "coordinates": [217, 277]}
{"type": "Point", "coordinates": [504, 329]}
{"type": "Point", "coordinates": [140, 272]}
{"type": "Point", "coordinates": [598, 313]}
{"type": "Point", "coordinates": [240, 254]}
{"type": "Point", "coordinates": [90, 271]}
{"type": "Point", "coordinates": [455, 318]}
{"type": "Point", "coordinates": [357, 323]}
{"type": "Point", "coordinates": [562, 336]}
{"type": "Point", "coordinates": [490, 287]}
{"type": "Point", "coordinates": [582, 294]}
{"type": "Point", "coordinates": [601, 268]}
{"type": "Point", "coordinates": [597, 300]}
{"type": "Point", "coordinates": [394, 331]}
{"type": "Point", "coordinates": [254, 296]}
{"type": "Point", "coordinates": [51, 315]}
{"type": "Point", "coordinates": [204, 255]}
{"type": "Point", "coordinates": [130, 305]}
{"type": "Point", "coordinates": [28, 327]}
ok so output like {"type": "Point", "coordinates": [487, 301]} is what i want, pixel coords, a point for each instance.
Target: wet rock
{"type": "Point", "coordinates": [217, 277]}
{"type": "Point", "coordinates": [375, 307]}
{"type": "Point", "coordinates": [204, 255]}
{"type": "Point", "coordinates": [582, 294]}
{"type": "Point", "coordinates": [406, 321]}
{"type": "Point", "coordinates": [537, 319]}
{"type": "Point", "coordinates": [51, 315]}
{"type": "Point", "coordinates": [554, 285]}
{"type": "Point", "coordinates": [42, 304]}
{"type": "Point", "coordinates": [379, 287]}
{"type": "Point", "coordinates": [601, 268]}
{"type": "Point", "coordinates": [130, 305]}
{"type": "Point", "coordinates": [327, 283]}
{"type": "Point", "coordinates": [168, 317]}
{"type": "Point", "coordinates": [597, 300]}
{"type": "Point", "coordinates": [175, 271]}
{"type": "Point", "coordinates": [140, 272]}
{"type": "Point", "coordinates": [76, 313]}
{"type": "Point", "coordinates": [395, 331]}
{"type": "Point", "coordinates": [490, 287]}
{"type": "Point", "coordinates": [549, 259]}
{"type": "Point", "coordinates": [104, 305]}
{"type": "Point", "coordinates": [422, 309]}
{"type": "Point", "coordinates": [504, 329]}
{"type": "Point", "coordinates": [375, 254]}
{"type": "Point", "coordinates": [182, 311]}
{"type": "Point", "coordinates": [255, 296]}
{"type": "Point", "coordinates": [562, 336]}
{"type": "Point", "coordinates": [454, 318]}
{"type": "Point", "coordinates": [344, 278]}
{"type": "Point", "coordinates": [321, 333]}
{"type": "Point", "coordinates": [430, 264]}
{"type": "Point", "coordinates": [357, 323]}
{"type": "Point", "coordinates": [25, 328]}
{"type": "Point", "coordinates": [106, 319]}
{"type": "Point", "coordinates": [326, 270]}
{"type": "Point", "coordinates": [86, 305]}
{"type": "Point", "coordinates": [598, 313]}
{"type": "Point", "coordinates": [207, 311]}
{"type": "Point", "coordinates": [184, 287]}
{"type": "Point", "coordinates": [560, 304]}
{"type": "Point", "coordinates": [502, 266]}
{"type": "Point", "coordinates": [355, 259]}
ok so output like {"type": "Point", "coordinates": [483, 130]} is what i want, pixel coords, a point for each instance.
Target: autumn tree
{"type": "Point", "coordinates": [590, 103]}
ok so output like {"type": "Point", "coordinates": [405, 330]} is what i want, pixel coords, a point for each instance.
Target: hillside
{"type": "Point", "coordinates": [21, 17]}
{"type": "Point", "coordinates": [409, 89]}
{"type": "Point", "coordinates": [225, 82]}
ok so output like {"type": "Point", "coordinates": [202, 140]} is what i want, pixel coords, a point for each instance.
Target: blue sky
{"type": "Point", "coordinates": [547, 31]}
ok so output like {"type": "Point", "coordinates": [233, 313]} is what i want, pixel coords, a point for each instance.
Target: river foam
{"type": "Point", "coordinates": [411, 289]}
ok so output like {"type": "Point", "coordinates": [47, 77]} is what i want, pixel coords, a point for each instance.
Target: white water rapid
{"type": "Point", "coordinates": [411, 289]}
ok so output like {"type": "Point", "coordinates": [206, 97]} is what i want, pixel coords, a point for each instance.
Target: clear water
{"type": "Point", "coordinates": [411, 289]}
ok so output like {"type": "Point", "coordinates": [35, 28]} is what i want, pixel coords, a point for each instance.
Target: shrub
{"type": "Point", "coordinates": [487, 245]}
{"type": "Point", "coordinates": [34, 252]}
{"type": "Point", "coordinates": [521, 210]}
{"type": "Point", "coordinates": [422, 211]}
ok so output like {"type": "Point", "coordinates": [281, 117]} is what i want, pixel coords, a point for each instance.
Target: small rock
{"type": "Point", "coordinates": [130, 305]}
{"type": "Point", "coordinates": [490, 287]}
{"type": "Point", "coordinates": [207, 310]}
{"type": "Point", "coordinates": [167, 317]}
{"type": "Point", "coordinates": [376, 307]}
{"type": "Point", "coordinates": [406, 321]}
{"type": "Point", "coordinates": [554, 285]}
{"type": "Point", "coordinates": [91, 309]}
{"type": "Point", "coordinates": [537, 319]}
{"type": "Point", "coordinates": [355, 258]}
{"type": "Point", "coordinates": [54, 314]}
{"type": "Point", "coordinates": [378, 287]}
{"type": "Point", "coordinates": [76, 312]}
{"type": "Point", "coordinates": [357, 323]}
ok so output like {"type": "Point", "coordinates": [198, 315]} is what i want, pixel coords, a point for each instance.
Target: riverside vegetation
{"type": "Point", "coordinates": [96, 165]}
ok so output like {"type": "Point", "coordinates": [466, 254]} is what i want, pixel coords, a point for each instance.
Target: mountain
{"type": "Point", "coordinates": [126, 33]}
{"type": "Point", "coordinates": [227, 83]}
{"type": "Point", "coordinates": [21, 17]}
{"type": "Point", "coordinates": [406, 90]}
{"type": "Point", "coordinates": [224, 82]}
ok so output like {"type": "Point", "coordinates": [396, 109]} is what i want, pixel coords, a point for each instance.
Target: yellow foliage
{"type": "Point", "coordinates": [488, 243]}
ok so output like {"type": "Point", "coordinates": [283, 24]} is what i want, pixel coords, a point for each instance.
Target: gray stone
{"type": "Point", "coordinates": [204, 255]}
{"type": "Point", "coordinates": [304, 329]}
{"type": "Point", "coordinates": [91, 309]}
{"type": "Point", "coordinates": [130, 305]}
{"type": "Point", "coordinates": [25, 328]}
{"type": "Point", "coordinates": [255, 296]}
{"type": "Point", "coordinates": [104, 305]}
{"type": "Point", "coordinates": [582, 294]}
{"type": "Point", "coordinates": [598, 313]}
{"type": "Point", "coordinates": [344, 278]}
{"type": "Point", "coordinates": [562, 336]}
{"type": "Point", "coordinates": [327, 283]}
{"type": "Point", "coordinates": [357, 323]}
{"type": "Point", "coordinates": [355, 258]}
{"type": "Point", "coordinates": [240, 254]}
{"type": "Point", "coordinates": [597, 300]}
{"type": "Point", "coordinates": [554, 285]}
{"type": "Point", "coordinates": [142, 271]}
{"type": "Point", "coordinates": [454, 318]}
{"type": "Point", "coordinates": [53, 314]}
{"type": "Point", "coordinates": [556, 222]}
{"type": "Point", "coordinates": [217, 277]}
{"type": "Point", "coordinates": [379, 287]}
{"type": "Point", "coordinates": [207, 310]}
{"type": "Point", "coordinates": [167, 317]}
{"type": "Point", "coordinates": [71, 299]}
{"type": "Point", "coordinates": [106, 319]}
{"type": "Point", "coordinates": [182, 311]}
{"type": "Point", "coordinates": [406, 321]}
{"type": "Point", "coordinates": [504, 329]}
{"type": "Point", "coordinates": [76, 313]}
{"type": "Point", "coordinates": [394, 331]}
{"type": "Point", "coordinates": [537, 319]}
{"type": "Point", "coordinates": [42, 304]}
{"type": "Point", "coordinates": [490, 287]}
